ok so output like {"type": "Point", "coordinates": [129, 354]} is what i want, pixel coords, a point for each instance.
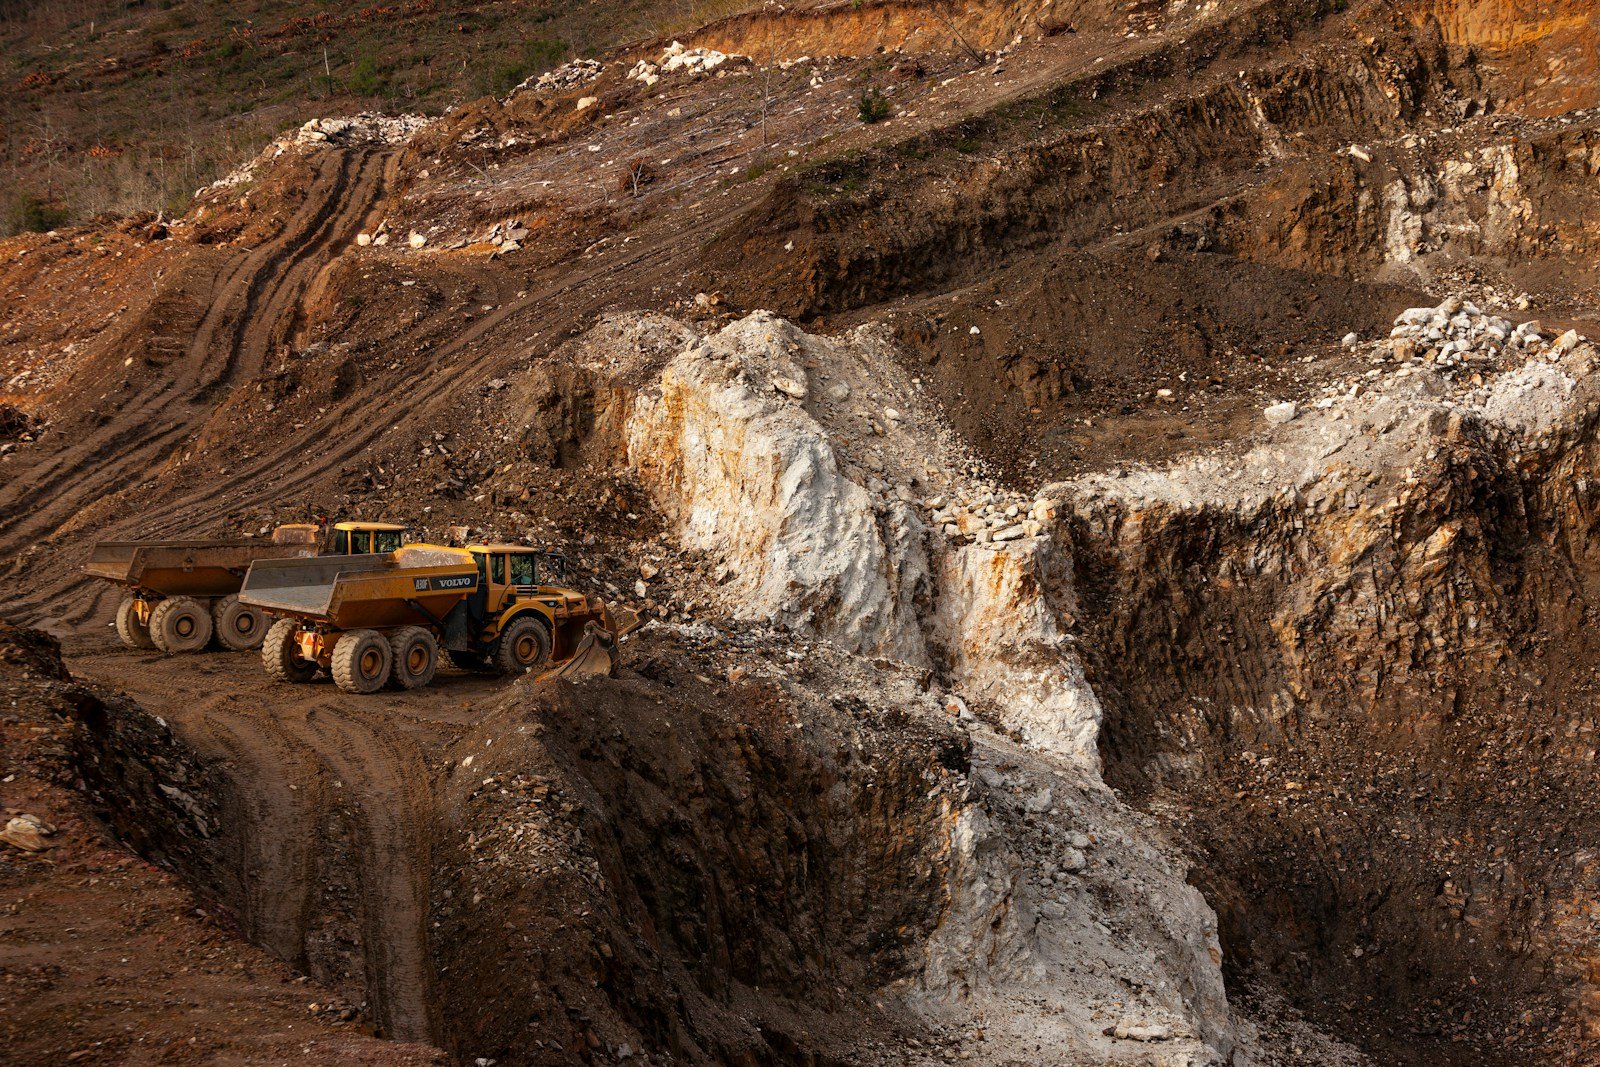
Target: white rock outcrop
{"type": "Point", "coordinates": [748, 476]}
{"type": "Point", "coordinates": [742, 447]}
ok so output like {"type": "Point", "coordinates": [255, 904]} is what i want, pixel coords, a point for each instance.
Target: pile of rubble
{"type": "Point", "coordinates": [991, 517]}
{"type": "Point", "coordinates": [697, 62]}
{"type": "Point", "coordinates": [366, 128]}
{"type": "Point", "coordinates": [507, 237]}
{"type": "Point", "coordinates": [567, 76]}
{"type": "Point", "coordinates": [1458, 333]}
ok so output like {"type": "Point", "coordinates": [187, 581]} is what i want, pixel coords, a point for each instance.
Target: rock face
{"type": "Point", "coordinates": [1234, 616]}
{"type": "Point", "coordinates": [1361, 651]}
{"type": "Point", "coordinates": [801, 511]}
{"type": "Point", "coordinates": [1000, 626]}
{"type": "Point", "coordinates": [747, 476]}
{"type": "Point", "coordinates": [1051, 882]}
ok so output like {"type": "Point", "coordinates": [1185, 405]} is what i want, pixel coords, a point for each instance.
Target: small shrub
{"type": "Point", "coordinates": [872, 107]}
{"type": "Point", "coordinates": [31, 215]}
{"type": "Point", "coordinates": [536, 57]}
{"type": "Point", "coordinates": [638, 174]}
{"type": "Point", "coordinates": [368, 79]}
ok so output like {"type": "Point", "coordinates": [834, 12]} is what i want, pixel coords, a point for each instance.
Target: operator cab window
{"type": "Point", "coordinates": [482, 561]}
{"type": "Point", "coordinates": [388, 540]}
{"type": "Point", "coordinates": [341, 542]}
{"type": "Point", "coordinates": [497, 568]}
{"type": "Point", "coordinates": [523, 571]}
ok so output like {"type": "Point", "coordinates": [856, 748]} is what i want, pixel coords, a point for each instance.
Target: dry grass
{"type": "Point", "coordinates": [122, 107]}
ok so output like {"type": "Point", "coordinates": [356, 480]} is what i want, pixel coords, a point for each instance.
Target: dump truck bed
{"type": "Point", "coordinates": [185, 568]}
{"type": "Point", "coordinates": [355, 592]}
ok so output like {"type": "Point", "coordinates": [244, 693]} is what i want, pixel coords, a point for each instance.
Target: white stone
{"type": "Point", "coordinates": [789, 387]}
{"type": "Point", "coordinates": [1278, 414]}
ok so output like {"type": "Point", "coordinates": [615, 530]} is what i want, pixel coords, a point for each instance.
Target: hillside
{"type": "Point", "coordinates": [117, 107]}
{"type": "Point", "coordinates": [1109, 486]}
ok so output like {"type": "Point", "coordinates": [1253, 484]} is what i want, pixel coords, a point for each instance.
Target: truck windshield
{"type": "Point", "coordinates": [388, 540]}
{"type": "Point", "coordinates": [341, 543]}
{"type": "Point", "coordinates": [523, 570]}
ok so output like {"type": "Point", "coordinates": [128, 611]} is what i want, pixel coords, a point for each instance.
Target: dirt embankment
{"type": "Point", "coordinates": [1370, 700]}
{"type": "Point", "coordinates": [1166, 130]}
{"type": "Point", "coordinates": [663, 862]}
{"type": "Point", "coordinates": [711, 871]}
{"type": "Point", "coordinates": [1538, 57]}
{"type": "Point", "coordinates": [107, 958]}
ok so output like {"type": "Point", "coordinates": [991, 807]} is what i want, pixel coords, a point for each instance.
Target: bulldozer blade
{"type": "Point", "coordinates": [591, 659]}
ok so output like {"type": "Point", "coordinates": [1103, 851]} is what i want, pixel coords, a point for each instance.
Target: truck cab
{"type": "Point", "coordinates": [520, 607]}
{"type": "Point", "coordinates": [362, 538]}
{"type": "Point", "coordinates": [344, 538]}
{"type": "Point", "coordinates": [508, 573]}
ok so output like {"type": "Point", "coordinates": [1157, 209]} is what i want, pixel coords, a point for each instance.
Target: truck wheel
{"type": "Point", "coordinates": [181, 624]}
{"type": "Point", "coordinates": [239, 627]}
{"type": "Point", "coordinates": [134, 633]}
{"type": "Point", "coordinates": [522, 646]}
{"type": "Point", "coordinates": [467, 661]}
{"type": "Point", "coordinates": [361, 661]}
{"type": "Point", "coordinates": [416, 657]}
{"type": "Point", "coordinates": [280, 654]}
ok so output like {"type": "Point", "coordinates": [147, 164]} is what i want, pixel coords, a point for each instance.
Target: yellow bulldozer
{"type": "Point", "coordinates": [183, 595]}
{"type": "Point", "coordinates": [384, 620]}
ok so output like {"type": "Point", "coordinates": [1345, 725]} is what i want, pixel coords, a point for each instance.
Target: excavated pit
{"type": "Point", "coordinates": [1361, 709]}
{"type": "Point", "coordinates": [1368, 702]}
{"type": "Point", "coordinates": [659, 862]}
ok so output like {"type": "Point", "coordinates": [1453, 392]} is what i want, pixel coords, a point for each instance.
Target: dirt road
{"type": "Point", "coordinates": [332, 810]}
{"type": "Point", "coordinates": [253, 308]}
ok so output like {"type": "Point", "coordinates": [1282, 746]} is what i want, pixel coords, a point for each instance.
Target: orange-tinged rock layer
{"type": "Point", "coordinates": [1543, 58]}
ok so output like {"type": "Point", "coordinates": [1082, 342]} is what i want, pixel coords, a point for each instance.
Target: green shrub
{"type": "Point", "coordinates": [30, 214]}
{"type": "Point", "coordinates": [368, 78]}
{"type": "Point", "coordinates": [872, 107]}
{"type": "Point", "coordinates": [537, 56]}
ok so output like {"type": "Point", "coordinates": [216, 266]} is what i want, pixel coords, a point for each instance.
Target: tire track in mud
{"type": "Point", "coordinates": [253, 304]}
{"type": "Point", "coordinates": [567, 300]}
{"type": "Point", "coordinates": [300, 760]}
{"type": "Point", "coordinates": [388, 780]}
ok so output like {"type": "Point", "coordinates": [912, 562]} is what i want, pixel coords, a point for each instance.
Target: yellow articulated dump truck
{"type": "Point", "coordinates": [372, 621]}
{"type": "Point", "coordinates": [182, 595]}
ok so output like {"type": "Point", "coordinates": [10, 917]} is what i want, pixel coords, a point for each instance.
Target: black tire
{"type": "Point", "coordinates": [467, 661]}
{"type": "Point", "coordinates": [416, 657]}
{"type": "Point", "coordinates": [280, 654]}
{"type": "Point", "coordinates": [180, 624]}
{"type": "Point", "coordinates": [523, 646]}
{"type": "Point", "coordinates": [239, 627]}
{"type": "Point", "coordinates": [134, 633]}
{"type": "Point", "coordinates": [362, 661]}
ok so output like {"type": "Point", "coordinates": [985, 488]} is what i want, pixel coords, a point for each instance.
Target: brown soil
{"type": "Point", "coordinates": [684, 867]}
{"type": "Point", "coordinates": [1116, 216]}
{"type": "Point", "coordinates": [109, 959]}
